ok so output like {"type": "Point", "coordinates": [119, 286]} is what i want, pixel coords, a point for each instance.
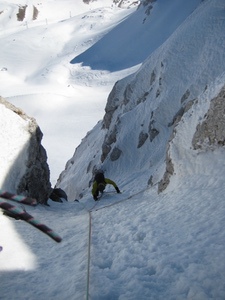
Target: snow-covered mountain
{"type": "Point", "coordinates": [161, 139]}
{"type": "Point", "coordinates": [137, 36]}
{"type": "Point", "coordinates": [143, 109]}
{"type": "Point", "coordinates": [27, 12]}
{"type": "Point", "coordinates": [35, 61]}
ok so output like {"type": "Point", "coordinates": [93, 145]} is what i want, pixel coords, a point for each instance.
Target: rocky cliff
{"type": "Point", "coordinates": [24, 168]}
{"type": "Point", "coordinates": [142, 136]}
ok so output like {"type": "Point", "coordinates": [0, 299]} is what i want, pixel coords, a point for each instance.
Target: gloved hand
{"type": "Point", "coordinates": [95, 198]}
{"type": "Point", "coordinates": [117, 190]}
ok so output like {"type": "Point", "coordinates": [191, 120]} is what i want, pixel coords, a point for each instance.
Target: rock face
{"type": "Point", "coordinates": [208, 134]}
{"type": "Point", "coordinates": [22, 13]}
{"type": "Point", "coordinates": [211, 132]}
{"type": "Point", "coordinates": [28, 172]}
{"type": "Point", "coordinates": [119, 3]}
{"type": "Point", "coordinates": [159, 116]}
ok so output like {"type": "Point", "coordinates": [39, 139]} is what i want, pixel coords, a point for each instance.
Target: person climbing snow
{"type": "Point", "coordinates": [100, 183]}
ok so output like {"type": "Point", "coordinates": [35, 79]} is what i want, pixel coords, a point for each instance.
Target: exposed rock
{"type": "Point", "coordinates": [105, 151]}
{"type": "Point", "coordinates": [35, 180]}
{"type": "Point", "coordinates": [57, 194]}
{"type": "Point", "coordinates": [185, 96]}
{"type": "Point", "coordinates": [61, 193]}
{"type": "Point", "coordinates": [177, 117]}
{"type": "Point", "coordinates": [119, 3]}
{"type": "Point", "coordinates": [153, 77]}
{"type": "Point", "coordinates": [147, 2]}
{"type": "Point", "coordinates": [211, 132]}
{"type": "Point", "coordinates": [143, 98]}
{"type": "Point", "coordinates": [111, 106]}
{"type": "Point", "coordinates": [22, 12]}
{"type": "Point", "coordinates": [153, 132]}
{"type": "Point", "coordinates": [142, 138]}
{"type": "Point", "coordinates": [169, 164]}
{"type": "Point", "coordinates": [116, 152]}
{"type": "Point", "coordinates": [168, 173]}
{"type": "Point", "coordinates": [35, 13]}
{"type": "Point", "coordinates": [181, 112]}
{"type": "Point", "coordinates": [150, 181]}
{"type": "Point", "coordinates": [148, 6]}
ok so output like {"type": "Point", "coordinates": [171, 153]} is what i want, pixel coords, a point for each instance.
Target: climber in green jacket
{"type": "Point", "coordinates": [100, 183]}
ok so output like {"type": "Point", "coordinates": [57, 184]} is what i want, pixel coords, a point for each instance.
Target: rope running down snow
{"type": "Point", "coordinates": [89, 235]}
{"type": "Point", "coordinates": [89, 256]}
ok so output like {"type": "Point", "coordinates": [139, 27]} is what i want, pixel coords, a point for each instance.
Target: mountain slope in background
{"type": "Point", "coordinates": [148, 27]}
{"type": "Point", "coordinates": [36, 75]}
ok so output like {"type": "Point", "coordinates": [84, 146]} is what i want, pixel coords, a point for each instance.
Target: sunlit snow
{"type": "Point", "coordinates": [138, 244]}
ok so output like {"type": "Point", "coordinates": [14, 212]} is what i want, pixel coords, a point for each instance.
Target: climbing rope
{"type": "Point", "coordinates": [89, 256]}
{"type": "Point", "coordinates": [90, 211]}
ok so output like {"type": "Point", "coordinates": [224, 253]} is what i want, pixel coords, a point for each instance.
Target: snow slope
{"type": "Point", "coordinates": [137, 36]}
{"type": "Point", "coordinates": [148, 102]}
{"type": "Point", "coordinates": [36, 74]}
{"type": "Point", "coordinates": [148, 245]}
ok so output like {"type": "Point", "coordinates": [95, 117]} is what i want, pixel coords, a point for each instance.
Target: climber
{"type": "Point", "coordinates": [100, 183]}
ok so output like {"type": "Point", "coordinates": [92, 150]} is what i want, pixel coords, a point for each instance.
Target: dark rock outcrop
{"type": "Point", "coordinates": [34, 180]}
{"type": "Point", "coordinates": [211, 132]}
